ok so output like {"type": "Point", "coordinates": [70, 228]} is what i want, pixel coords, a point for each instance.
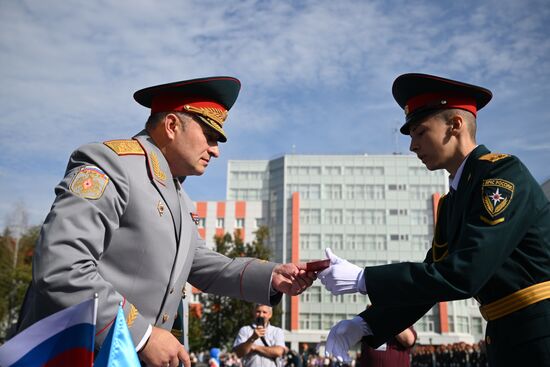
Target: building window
{"type": "Point", "coordinates": [334, 241]}
{"type": "Point", "coordinates": [462, 325]}
{"type": "Point", "coordinates": [333, 170]}
{"type": "Point", "coordinates": [310, 241]}
{"type": "Point", "coordinates": [306, 191]}
{"type": "Point", "coordinates": [313, 295]}
{"type": "Point", "coordinates": [333, 192]}
{"type": "Point", "coordinates": [239, 223]}
{"type": "Point", "coordinates": [420, 217]}
{"type": "Point", "coordinates": [333, 216]}
{"type": "Point", "coordinates": [202, 222]}
{"type": "Point", "coordinates": [477, 327]}
{"type": "Point", "coordinates": [451, 322]}
{"type": "Point", "coordinates": [310, 216]}
{"type": "Point", "coordinates": [258, 222]}
{"type": "Point", "coordinates": [420, 242]}
{"type": "Point", "coordinates": [426, 323]}
{"type": "Point", "coordinates": [220, 222]}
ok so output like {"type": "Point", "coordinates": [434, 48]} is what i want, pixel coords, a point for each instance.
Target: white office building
{"type": "Point", "coordinates": [370, 210]}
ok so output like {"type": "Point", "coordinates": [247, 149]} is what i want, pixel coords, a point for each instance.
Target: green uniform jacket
{"type": "Point", "coordinates": [492, 239]}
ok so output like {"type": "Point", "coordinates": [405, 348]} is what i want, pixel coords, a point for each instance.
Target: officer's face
{"type": "Point", "coordinates": [192, 147]}
{"type": "Point", "coordinates": [432, 143]}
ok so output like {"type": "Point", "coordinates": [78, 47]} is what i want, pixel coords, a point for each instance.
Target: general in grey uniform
{"type": "Point", "coordinates": [122, 226]}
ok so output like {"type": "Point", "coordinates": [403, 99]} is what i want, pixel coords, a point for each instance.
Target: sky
{"type": "Point", "coordinates": [316, 77]}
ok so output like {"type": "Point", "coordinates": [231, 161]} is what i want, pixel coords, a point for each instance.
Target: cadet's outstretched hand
{"type": "Point", "coordinates": [342, 276]}
{"type": "Point", "coordinates": [343, 336]}
{"type": "Point", "coordinates": [292, 279]}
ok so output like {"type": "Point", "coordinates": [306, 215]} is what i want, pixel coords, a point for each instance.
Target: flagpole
{"type": "Point", "coordinates": [96, 303]}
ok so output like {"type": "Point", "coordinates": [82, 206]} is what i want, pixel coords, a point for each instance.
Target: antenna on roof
{"type": "Point", "coordinates": [396, 149]}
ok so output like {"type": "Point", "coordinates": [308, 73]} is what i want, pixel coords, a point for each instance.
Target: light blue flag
{"type": "Point", "coordinates": [118, 348]}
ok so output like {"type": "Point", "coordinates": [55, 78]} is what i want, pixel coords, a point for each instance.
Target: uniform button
{"type": "Point", "coordinates": [165, 318]}
{"type": "Point", "coordinates": [488, 340]}
{"type": "Point", "coordinates": [171, 290]}
{"type": "Point", "coordinates": [183, 292]}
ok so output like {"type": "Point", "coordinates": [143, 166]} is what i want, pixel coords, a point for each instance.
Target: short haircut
{"type": "Point", "coordinates": [467, 116]}
{"type": "Point", "coordinates": [262, 305]}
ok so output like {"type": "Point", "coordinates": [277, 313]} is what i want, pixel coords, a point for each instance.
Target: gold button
{"type": "Point", "coordinates": [488, 340]}
{"type": "Point", "coordinates": [165, 318]}
{"type": "Point", "coordinates": [183, 292]}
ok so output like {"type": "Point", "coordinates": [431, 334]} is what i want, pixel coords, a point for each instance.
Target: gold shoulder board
{"type": "Point", "coordinates": [493, 157]}
{"type": "Point", "coordinates": [125, 147]}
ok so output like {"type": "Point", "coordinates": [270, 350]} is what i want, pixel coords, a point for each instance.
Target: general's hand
{"type": "Point", "coordinates": [342, 276]}
{"type": "Point", "coordinates": [163, 349]}
{"type": "Point", "coordinates": [343, 336]}
{"type": "Point", "coordinates": [291, 279]}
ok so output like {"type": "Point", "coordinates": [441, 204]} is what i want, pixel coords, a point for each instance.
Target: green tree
{"type": "Point", "coordinates": [15, 274]}
{"type": "Point", "coordinates": [223, 316]}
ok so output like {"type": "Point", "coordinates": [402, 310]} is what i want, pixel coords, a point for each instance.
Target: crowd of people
{"type": "Point", "coordinates": [449, 355]}
{"type": "Point", "coordinates": [445, 355]}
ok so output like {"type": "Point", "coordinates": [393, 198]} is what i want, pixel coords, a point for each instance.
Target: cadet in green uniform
{"type": "Point", "coordinates": [491, 242]}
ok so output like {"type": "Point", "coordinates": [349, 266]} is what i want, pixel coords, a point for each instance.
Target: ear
{"type": "Point", "coordinates": [170, 124]}
{"type": "Point", "coordinates": [457, 124]}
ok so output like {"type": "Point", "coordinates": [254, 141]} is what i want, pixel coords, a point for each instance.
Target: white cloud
{"type": "Point", "coordinates": [316, 74]}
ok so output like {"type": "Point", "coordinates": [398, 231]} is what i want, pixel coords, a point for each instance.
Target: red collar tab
{"type": "Point", "coordinates": [434, 101]}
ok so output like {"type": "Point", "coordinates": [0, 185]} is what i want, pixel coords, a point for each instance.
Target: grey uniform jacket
{"type": "Point", "coordinates": [121, 227]}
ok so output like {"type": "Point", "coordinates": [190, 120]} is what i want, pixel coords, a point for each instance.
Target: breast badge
{"type": "Point", "coordinates": [496, 196]}
{"type": "Point", "coordinates": [89, 183]}
{"type": "Point", "coordinates": [161, 207]}
{"type": "Point", "coordinates": [195, 218]}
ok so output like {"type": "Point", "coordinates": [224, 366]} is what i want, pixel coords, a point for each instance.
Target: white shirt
{"type": "Point", "coordinates": [273, 336]}
{"type": "Point", "coordinates": [454, 181]}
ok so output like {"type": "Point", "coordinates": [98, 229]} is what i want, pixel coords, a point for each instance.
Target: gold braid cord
{"type": "Point", "coordinates": [216, 114]}
{"type": "Point", "coordinates": [157, 171]}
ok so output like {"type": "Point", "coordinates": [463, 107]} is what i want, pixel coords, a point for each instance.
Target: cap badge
{"type": "Point", "coordinates": [216, 114]}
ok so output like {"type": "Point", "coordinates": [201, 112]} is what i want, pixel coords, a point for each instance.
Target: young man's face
{"type": "Point", "coordinates": [431, 142]}
{"type": "Point", "coordinates": [192, 148]}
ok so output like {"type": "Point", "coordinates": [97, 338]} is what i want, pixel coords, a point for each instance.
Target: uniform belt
{"type": "Point", "coordinates": [515, 301]}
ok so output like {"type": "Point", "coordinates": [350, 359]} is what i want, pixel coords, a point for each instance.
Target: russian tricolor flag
{"type": "Point", "coordinates": [65, 338]}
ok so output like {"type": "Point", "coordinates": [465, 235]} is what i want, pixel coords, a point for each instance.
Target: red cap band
{"type": "Point", "coordinates": [441, 101]}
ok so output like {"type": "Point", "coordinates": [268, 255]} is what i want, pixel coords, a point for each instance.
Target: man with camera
{"type": "Point", "coordinates": [260, 344]}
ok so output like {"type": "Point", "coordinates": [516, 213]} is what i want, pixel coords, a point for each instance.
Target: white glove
{"type": "Point", "coordinates": [344, 335]}
{"type": "Point", "coordinates": [342, 276]}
